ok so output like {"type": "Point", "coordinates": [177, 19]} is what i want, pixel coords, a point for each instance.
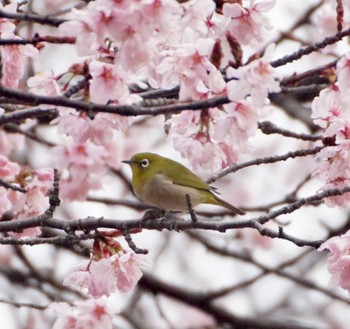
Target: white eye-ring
{"type": "Point", "coordinates": [144, 163]}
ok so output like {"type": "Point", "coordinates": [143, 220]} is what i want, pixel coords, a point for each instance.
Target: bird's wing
{"type": "Point", "coordinates": [185, 177]}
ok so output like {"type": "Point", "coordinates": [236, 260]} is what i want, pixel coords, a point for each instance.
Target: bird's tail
{"type": "Point", "coordinates": [217, 201]}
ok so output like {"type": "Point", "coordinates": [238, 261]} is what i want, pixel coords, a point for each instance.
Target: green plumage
{"type": "Point", "coordinates": [164, 183]}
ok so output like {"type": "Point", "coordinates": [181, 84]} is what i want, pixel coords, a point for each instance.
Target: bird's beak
{"type": "Point", "coordinates": [129, 162]}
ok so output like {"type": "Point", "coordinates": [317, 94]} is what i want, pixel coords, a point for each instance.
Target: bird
{"type": "Point", "coordinates": [164, 183]}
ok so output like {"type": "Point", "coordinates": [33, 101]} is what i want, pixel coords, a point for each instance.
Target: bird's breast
{"type": "Point", "coordinates": [164, 194]}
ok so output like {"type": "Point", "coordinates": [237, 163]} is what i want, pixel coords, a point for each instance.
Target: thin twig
{"type": "Point", "coordinates": [12, 186]}
{"type": "Point", "coordinates": [310, 49]}
{"type": "Point", "coordinates": [266, 160]}
{"type": "Point", "coordinates": [269, 128]}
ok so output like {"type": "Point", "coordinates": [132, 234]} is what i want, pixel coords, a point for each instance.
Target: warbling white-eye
{"type": "Point", "coordinates": [164, 183]}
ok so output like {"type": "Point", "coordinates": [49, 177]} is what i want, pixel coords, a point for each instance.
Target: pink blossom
{"type": "Point", "coordinates": [334, 169]}
{"type": "Point", "coordinates": [326, 107]}
{"type": "Point", "coordinates": [334, 162]}
{"type": "Point", "coordinates": [338, 200]}
{"type": "Point", "coordinates": [214, 140]}
{"type": "Point", "coordinates": [162, 14]}
{"type": "Point", "coordinates": [83, 28]}
{"type": "Point", "coordinates": [88, 314]}
{"type": "Point", "coordinates": [105, 276]}
{"type": "Point", "coordinates": [256, 79]}
{"type": "Point", "coordinates": [343, 75]}
{"type": "Point", "coordinates": [194, 145]}
{"type": "Point", "coordinates": [188, 65]}
{"type": "Point", "coordinates": [13, 60]}
{"type": "Point", "coordinates": [93, 146]}
{"type": "Point", "coordinates": [248, 23]}
{"type": "Point", "coordinates": [132, 27]}
{"type": "Point", "coordinates": [127, 270]}
{"type": "Point", "coordinates": [44, 83]}
{"type": "Point", "coordinates": [8, 169]}
{"type": "Point", "coordinates": [203, 154]}
{"type": "Point", "coordinates": [331, 111]}
{"type": "Point", "coordinates": [236, 124]}
{"type": "Point", "coordinates": [339, 260]}
{"type": "Point", "coordinates": [107, 84]}
{"type": "Point", "coordinates": [82, 167]}
{"type": "Point", "coordinates": [34, 202]}
{"type": "Point", "coordinates": [196, 15]}
{"type": "Point", "coordinates": [100, 130]}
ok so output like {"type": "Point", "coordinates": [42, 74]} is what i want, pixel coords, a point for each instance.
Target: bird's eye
{"type": "Point", "coordinates": [144, 163]}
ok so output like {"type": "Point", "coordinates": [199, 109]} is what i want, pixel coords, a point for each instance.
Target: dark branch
{"type": "Point", "coordinates": [45, 20]}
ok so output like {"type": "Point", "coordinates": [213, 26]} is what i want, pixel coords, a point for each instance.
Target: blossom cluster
{"type": "Point", "coordinates": [339, 260]}
{"type": "Point", "coordinates": [31, 200]}
{"type": "Point", "coordinates": [166, 44]}
{"type": "Point", "coordinates": [88, 314]}
{"type": "Point", "coordinates": [128, 46]}
{"type": "Point", "coordinates": [331, 111]}
{"type": "Point", "coordinates": [13, 57]}
{"type": "Point", "coordinates": [110, 270]}
{"type": "Point", "coordinates": [90, 146]}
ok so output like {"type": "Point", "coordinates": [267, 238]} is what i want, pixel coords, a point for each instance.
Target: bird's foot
{"type": "Point", "coordinates": [170, 220]}
{"type": "Point", "coordinates": [154, 213]}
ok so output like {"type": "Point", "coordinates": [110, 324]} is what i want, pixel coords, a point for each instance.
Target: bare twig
{"type": "Point", "coordinates": [310, 49]}
{"type": "Point", "coordinates": [269, 128]}
{"type": "Point", "coordinates": [266, 160]}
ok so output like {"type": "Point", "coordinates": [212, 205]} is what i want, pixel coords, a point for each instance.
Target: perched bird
{"type": "Point", "coordinates": [164, 183]}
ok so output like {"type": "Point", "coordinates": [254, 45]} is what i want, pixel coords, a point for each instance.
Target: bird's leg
{"type": "Point", "coordinates": [190, 209]}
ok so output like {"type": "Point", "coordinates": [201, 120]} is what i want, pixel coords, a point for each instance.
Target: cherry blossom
{"type": "Point", "coordinates": [8, 169]}
{"type": "Point", "coordinates": [248, 23]}
{"type": "Point", "coordinates": [44, 83]}
{"type": "Point", "coordinates": [208, 140]}
{"type": "Point", "coordinates": [82, 27]}
{"type": "Point", "coordinates": [236, 124]}
{"type": "Point", "coordinates": [108, 84]}
{"type": "Point", "coordinates": [88, 314]}
{"type": "Point", "coordinates": [22, 205]}
{"type": "Point", "coordinates": [35, 201]}
{"type": "Point", "coordinates": [13, 60]}
{"type": "Point", "coordinates": [339, 260]}
{"type": "Point", "coordinates": [331, 111]}
{"type": "Point", "coordinates": [343, 75]}
{"type": "Point", "coordinates": [128, 26]}
{"type": "Point", "coordinates": [82, 167]}
{"type": "Point", "coordinates": [197, 15]}
{"type": "Point", "coordinates": [100, 130]}
{"type": "Point", "coordinates": [257, 79]}
{"type": "Point", "coordinates": [326, 108]}
{"type": "Point", "coordinates": [188, 65]}
{"type": "Point", "coordinates": [119, 272]}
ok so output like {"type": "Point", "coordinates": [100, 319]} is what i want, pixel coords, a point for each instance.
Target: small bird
{"type": "Point", "coordinates": [164, 183]}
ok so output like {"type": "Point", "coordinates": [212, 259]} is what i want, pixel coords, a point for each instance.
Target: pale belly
{"type": "Point", "coordinates": [168, 196]}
